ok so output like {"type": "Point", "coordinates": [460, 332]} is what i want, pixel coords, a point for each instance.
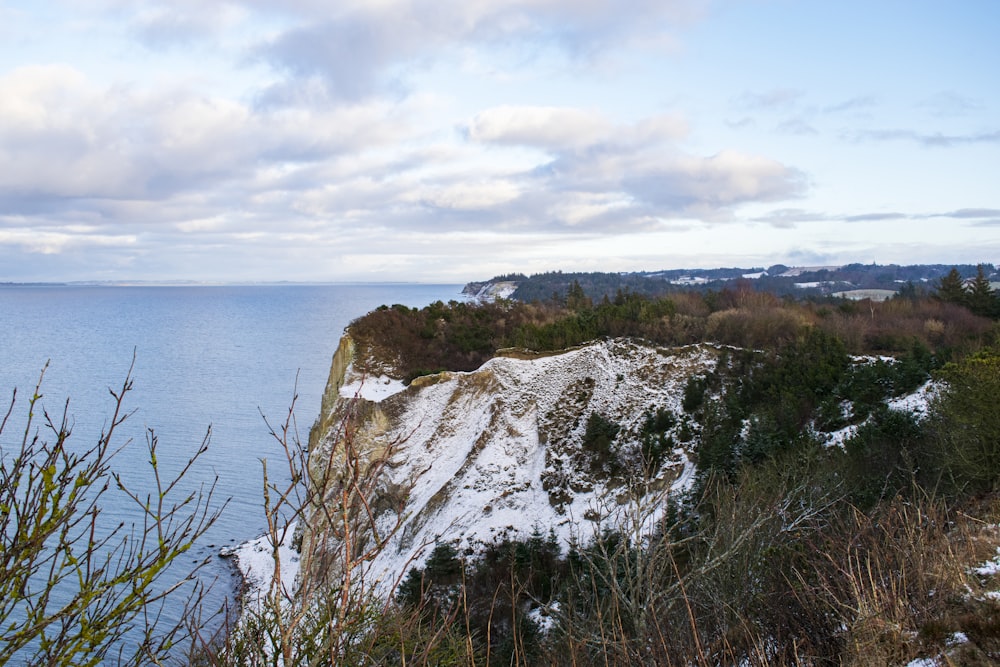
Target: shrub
{"type": "Point", "coordinates": [966, 423]}
{"type": "Point", "coordinates": [74, 588]}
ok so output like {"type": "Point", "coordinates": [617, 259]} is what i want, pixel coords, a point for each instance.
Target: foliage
{"type": "Point", "coordinates": [976, 294]}
{"type": "Point", "coordinates": [654, 438]}
{"type": "Point", "coordinates": [966, 424]}
{"type": "Point", "coordinates": [460, 336]}
{"type": "Point", "coordinates": [496, 589]}
{"type": "Point", "coordinates": [883, 457]}
{"type": "Point", "coordinates": [597, 438]}
{"type": "Point", "coordinates": [76, 590]}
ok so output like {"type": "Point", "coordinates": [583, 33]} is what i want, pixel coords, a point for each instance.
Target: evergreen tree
{"type": "Point", "coordinates": [576, 298]}
{"type": "Point", "coordinates": [951, 288]}
{"type": "Point", "coordinates": [981, 299]}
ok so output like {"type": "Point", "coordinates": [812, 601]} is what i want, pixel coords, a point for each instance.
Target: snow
{"type": "Point", "coordinates": [544, 617]}
{"type": "Point", "coordinates": [497, 451]}
{"type": "Point", "coordinates": [689, 280]}
{"type": "Point", "coordinates": [839, 437]}
{"type": "Point", "coordinates": [916, 403]}
{"type": "Point", "coordinates": [480, 450]}
{"type": "Point", "coordinates": [919, 401]}
{"type": "Point", "coordinates": [957, 638]}
{"type": "Point", "coordinates": [493, 291]}
{"type": "Point", "coordinates": [372, 389]}
{"type": "Point", "coordinates": [255, 560]}
{"type": "Point", "coordinates": [989, 568]}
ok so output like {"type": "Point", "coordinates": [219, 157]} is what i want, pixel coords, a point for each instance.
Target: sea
{"type": "Point", "coordinates": [224, 359]}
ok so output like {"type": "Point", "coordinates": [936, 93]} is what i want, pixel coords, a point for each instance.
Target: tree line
{"type": "Point", "coordinates": [460, 336]}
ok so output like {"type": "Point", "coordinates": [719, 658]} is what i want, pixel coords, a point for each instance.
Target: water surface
{"type": "Point", "coordinates": [219, 356]}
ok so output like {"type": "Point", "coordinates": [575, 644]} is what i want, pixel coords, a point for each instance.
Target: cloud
{"type": "Point", "coordinates": [562, 128]}
{"type": "Point", "coordinates": [933, 140]}
{"type": "Point", "coordinates": [183, 23]}
{"type": "Point", "coordinates": [627, 176]}
{"type": "Point", "coordinates": [539, 127]}
{"type": "Point", "coordinates": [62, 136]}
{"type": "Point", "coordinates": [722, 180]}
{"type": "Point", "coordinates": [971, 213]}
{"type": "Point", "coordinates": [348, 54]}
{"type": "Point", "coordinates": [876, 217]}
{"type": "Point", "coordinates": [787, 218]}
{"type": "Point", "coordinates": [777, 98]}
{"type": "Point", "coordinates": [948, 103]}
{"type": "Point", "coordinates": [352, 46]}
{"type": "Point", "coordinates": [796, 126]}
{"type": "Point", "coordinates": [853, 104]}
{"type": "Point", "coordinates": [979, 217]}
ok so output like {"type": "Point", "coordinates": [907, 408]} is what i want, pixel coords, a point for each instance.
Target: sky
{"type": "Point", "coordinates": [454, 140]}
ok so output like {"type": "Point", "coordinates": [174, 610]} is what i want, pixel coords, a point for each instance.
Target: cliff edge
{"type": "Point", "coordinates": [527, 442]}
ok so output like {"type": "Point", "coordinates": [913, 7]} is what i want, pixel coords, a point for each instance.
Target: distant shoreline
{"type": "Point", "coordinates": [196, 283]}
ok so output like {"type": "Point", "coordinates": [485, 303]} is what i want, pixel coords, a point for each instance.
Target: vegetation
{"type": "Point", "coordinates": [76, 590]}
{"type": "Point", "coordinates": [777, 279]}
{"type": "Point", "coordinates": [461, 336]}
{"type": "Point", "coordinates": [801, 554]}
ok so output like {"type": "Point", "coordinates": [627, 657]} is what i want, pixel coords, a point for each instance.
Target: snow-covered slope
{"type": "Point", "coordinates": [491, 291]}
{"type": "Point", "coordinates": [500, 449]}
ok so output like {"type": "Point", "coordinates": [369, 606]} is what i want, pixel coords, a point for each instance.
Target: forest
{"type": "Point", "coordinates": [778, 279]}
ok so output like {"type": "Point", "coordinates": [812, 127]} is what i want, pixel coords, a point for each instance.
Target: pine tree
{"type": "Point", "coordinates": [981, 299]}
{"type": "Point", "coordinates": [576, 298]}
{"type": "Point", "coordinates": [951, 288]}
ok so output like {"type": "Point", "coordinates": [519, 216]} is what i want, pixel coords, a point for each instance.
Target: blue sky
{"type": "Point", "coordinates": [452, 140]}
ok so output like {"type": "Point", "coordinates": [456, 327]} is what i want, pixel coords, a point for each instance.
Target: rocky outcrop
{"type": "Point", "coordinates": [490, 290]}
{"type": "Point", "coordinates": [510, 447]}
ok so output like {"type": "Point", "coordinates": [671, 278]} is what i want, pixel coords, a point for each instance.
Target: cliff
{"type": "Point", "coordinates": [525, 442]}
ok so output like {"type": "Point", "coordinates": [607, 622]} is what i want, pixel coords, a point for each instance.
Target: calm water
{"type": "Point", "coordinates": [216, 356]}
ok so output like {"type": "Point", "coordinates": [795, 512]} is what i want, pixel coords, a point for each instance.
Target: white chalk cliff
{"type": "Point", "coordinates": [470, 456]}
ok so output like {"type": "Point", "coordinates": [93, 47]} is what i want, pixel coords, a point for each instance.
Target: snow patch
{"type": "Point", "coordinates": [989, 568]}
{"type": "Point", "coordinates": [916, 403]}
{"type": "Point", "coordinates": [919, 401]}
{"type": "Point", "coordinates": [373, 389]}
{"type": "Point", "coordinates": [255, 560]}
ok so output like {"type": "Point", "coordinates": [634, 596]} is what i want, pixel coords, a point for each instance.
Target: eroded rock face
{"type": "Point", "coordinates": [526, 441]}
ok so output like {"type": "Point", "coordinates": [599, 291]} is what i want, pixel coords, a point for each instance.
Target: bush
{"type": "Point", "coordinates": [883, 457]}
{"type": "Point", "coordinates": [965, 429]}
{"type": "Point", "coordinates": [73, 587]}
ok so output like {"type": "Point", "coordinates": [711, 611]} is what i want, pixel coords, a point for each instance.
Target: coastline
{"type": "Point", "coordinates": [255, 564]}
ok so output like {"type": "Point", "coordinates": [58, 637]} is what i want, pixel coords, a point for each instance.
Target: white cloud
{"type": "Point", "coordinates": [561, 128]}
{"type": "Point", "coordinates": [62, 136]}
{"type": "Point", "coordinates": [636, 173]}
{"type": "Point", "coordinates": [54, 242]}
{"type": "Point", "coordinates": [185, 22]}
{"type": "Point", "coordinates": [541, 127]}
{"type": "Point", "coordinates": [472, 196]}
{"type": "Point", "coordinates": [350, 46]}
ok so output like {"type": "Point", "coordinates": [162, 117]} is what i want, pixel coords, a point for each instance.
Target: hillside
{"type": "Point", "coordinates": [851, 280]}
{"type": "Point", "coordinates": [504, 448]}
{"type": "Point", "coordinates": [766, 503]}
